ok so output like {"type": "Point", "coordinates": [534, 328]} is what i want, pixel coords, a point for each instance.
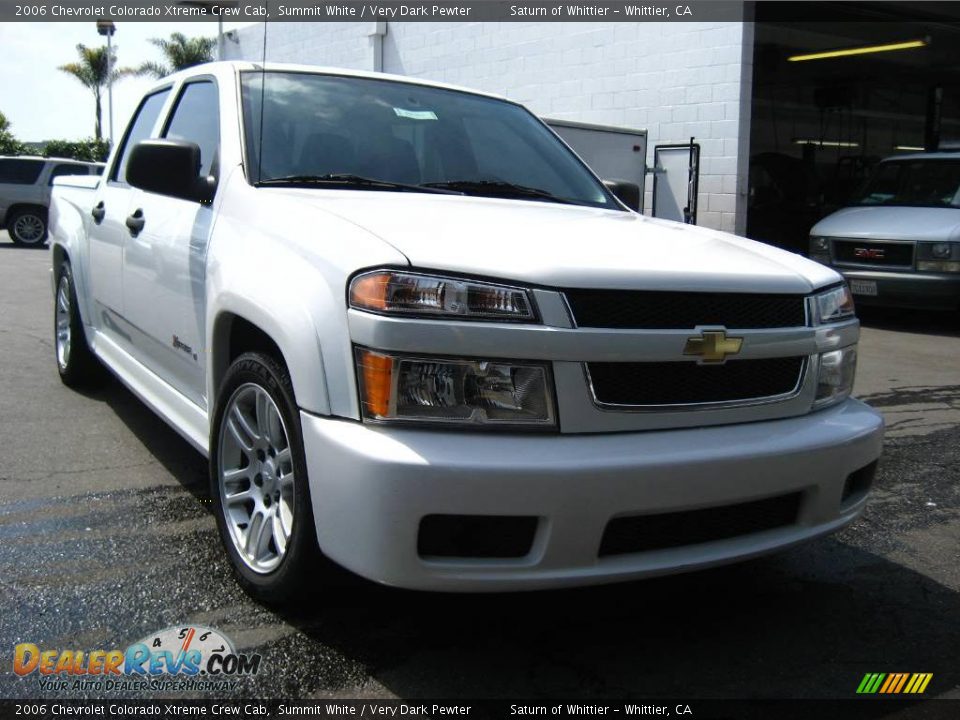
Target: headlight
{"type": "Point", "coordinates": [465, 392]}
{"type": "Point", "coordinates": [820, 250]}
{"type": "Point", "coordinates": [938, 257]}
{"type": "Point", "coordinates": [938, 266]}
{"type": "Point", "coordinates": [404, 293]}
{"type": "Point", "coordinates": [941, 251]}
{"type": "Point", "coordinates": [836, 374]}
{"type": "Point", "coordinates": [833, 305]}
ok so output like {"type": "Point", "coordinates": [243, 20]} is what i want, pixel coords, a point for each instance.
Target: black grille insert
{"type": "Point", "coordinates": [476, 536]}
{"type": "Point", "coordinates": [642, 533]}
{"type": "Point", "coordinates": [689, 383]}
{"type": "Point", "coordinates": [873, 253]}
{"type": "Point", "coordinates": [640, 309]}
{"type": "Point", "coordinates": [858, 484]}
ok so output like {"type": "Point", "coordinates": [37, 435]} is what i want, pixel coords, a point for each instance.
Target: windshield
{"type": "Point", "coordinates": [339, 130]}
{"type": "Point", "coordinates": [914, 183]}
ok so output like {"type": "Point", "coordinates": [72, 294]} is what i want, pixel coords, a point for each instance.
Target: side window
{"type": "Point", "coordinates": [20, 172]}
{"type": "Point", "coordinates": [196, 118]}
{"type": "Point", "coordinates": [143, 123]}
{"type": "Point", "coordinates": [67, 169]}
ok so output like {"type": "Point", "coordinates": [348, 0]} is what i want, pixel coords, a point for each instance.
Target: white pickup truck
{"type": "Point", "coordinates": [416, 335]}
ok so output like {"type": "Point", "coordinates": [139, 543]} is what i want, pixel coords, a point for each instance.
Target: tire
{"type": "Point", "coordinates": [76, 363]}
{"type": "Point", "coordinates": [258, 481]}
{"type": "Point", "coordinates": [28, 226]}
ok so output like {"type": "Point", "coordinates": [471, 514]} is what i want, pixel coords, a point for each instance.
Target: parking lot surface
{"type": "Point", "coordinates": [107, 536]}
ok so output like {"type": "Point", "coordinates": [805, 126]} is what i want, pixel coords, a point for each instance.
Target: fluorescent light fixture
{"type": "Point", "coordinates": [825, 143]}
{"type": "Point", "coordinates": [864, 50]}
{"type": "Point", "coordinates": [910, 148]}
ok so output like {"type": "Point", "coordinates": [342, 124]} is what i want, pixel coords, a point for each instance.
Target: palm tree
{"type": "Point", "coordinates": [9, 145]}
{"type": "Point", "coordinates": [94, 72]}
{"type": "Point", "coordinates": [181, 52]}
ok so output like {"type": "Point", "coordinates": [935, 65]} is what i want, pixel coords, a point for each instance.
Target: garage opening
{"type": "Point", "coordinates": [831, 99]}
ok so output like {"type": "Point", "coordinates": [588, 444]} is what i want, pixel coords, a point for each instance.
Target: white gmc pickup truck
{"type": "Point", "coordinates": [417, 336]}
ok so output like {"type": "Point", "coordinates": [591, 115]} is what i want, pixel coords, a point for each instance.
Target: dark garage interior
{"type": "Point", "coordinates": [819, 125]}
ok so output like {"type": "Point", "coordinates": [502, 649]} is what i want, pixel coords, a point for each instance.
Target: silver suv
{"type": "Point", "coordinates": [898, 243]}
{"type": "Point", "coordinates": [25, 184]}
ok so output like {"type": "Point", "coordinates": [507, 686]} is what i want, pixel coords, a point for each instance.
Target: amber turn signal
{"type": "Point", "coordinates": [376, 372]}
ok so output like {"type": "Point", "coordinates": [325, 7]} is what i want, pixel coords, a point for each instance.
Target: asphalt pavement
{"type": "Point", "coordinates": [106, 535]}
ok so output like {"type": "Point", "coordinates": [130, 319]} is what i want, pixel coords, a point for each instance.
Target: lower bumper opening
{"type": "Point", "coordinates": [643, 533]}
{"type": "Point", "coordinates": [858, 484]}
{"type": "Point", "coordinates": [476, 536]}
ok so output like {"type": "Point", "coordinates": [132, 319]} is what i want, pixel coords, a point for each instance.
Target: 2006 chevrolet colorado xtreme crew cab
{"type": "Point", "coordinates": [416, 335]}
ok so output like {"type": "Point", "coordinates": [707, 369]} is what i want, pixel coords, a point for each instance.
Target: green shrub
{"type": "Point", "coordinates": [90, 150]}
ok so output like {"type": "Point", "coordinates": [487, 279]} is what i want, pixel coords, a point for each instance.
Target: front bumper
{"type": "Point", "coordinates": [371, 486]}
{"type": "Point", "coordinates": [926, 291]}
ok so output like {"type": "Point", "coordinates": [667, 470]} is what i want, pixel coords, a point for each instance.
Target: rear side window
{"type": "Point", "coordinates": [143, 123]}
{"type": "Point", "coordinates": [67, 169]}
{"type": "Point", "coordinates": [20, 172]}
{"type": "Point", "coordinates": [196, 119]}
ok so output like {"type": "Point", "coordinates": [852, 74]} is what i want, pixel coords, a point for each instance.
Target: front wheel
{"type": "Point", "coordinates": [258, 479]}
{"type": "Point", "coordinates": [28, 227]}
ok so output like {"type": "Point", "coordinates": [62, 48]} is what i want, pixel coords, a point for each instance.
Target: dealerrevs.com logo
{"type": "Point", "coordinates": [183, 658]}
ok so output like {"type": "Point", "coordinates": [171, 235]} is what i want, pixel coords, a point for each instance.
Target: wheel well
{"type": "Point", "coordinates": [24, 206]}
{"type": "Point", "coordinates": [233, 336]}
{"type": "Point", "coordinates": [59, 257]}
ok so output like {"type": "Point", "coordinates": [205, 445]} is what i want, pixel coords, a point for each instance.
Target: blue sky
{"type": "Point", "coordinates": [43, 103]}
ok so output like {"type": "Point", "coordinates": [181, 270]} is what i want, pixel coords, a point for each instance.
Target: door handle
{"type": "Point", "coordinates": [136, 222]}
{"type": "Point", "coordinates": [98, 212]}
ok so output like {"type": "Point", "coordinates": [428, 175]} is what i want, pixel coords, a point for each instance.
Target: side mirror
{"type": "Point", "coordinates": [627, 192]}
{"type": "Point", "coordinates": [169, 167]}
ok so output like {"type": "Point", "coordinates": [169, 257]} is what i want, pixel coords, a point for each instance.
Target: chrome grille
{"type": "Point", "coordinates": [872, 252]}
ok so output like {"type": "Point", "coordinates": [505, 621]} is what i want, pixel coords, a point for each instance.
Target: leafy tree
{"type": "Point", "coordinates": [9, 145]}
{"type": "Point", "coordinates": [93, 71]}
{"type": "Point", "coordinates": [180, 53]}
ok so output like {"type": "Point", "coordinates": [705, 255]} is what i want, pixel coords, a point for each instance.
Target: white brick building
{"type": "Point", "coordinates": [676, 80]}
{"type": "Point", "coordinates": [783, 143]}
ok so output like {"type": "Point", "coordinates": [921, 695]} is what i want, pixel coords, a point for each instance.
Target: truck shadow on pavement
{"type": "Point", "coordinates": [809, 622]}
{"type": "Point", "coordinates": [176, 455]}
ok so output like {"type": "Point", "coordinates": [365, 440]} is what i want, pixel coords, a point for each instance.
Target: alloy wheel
{"type": "Point", "coordinates": [63, 322]}
{"type": "Point", "coordinates": [256, 478]}
{"type": "Point", "coordinates": [28, 229]}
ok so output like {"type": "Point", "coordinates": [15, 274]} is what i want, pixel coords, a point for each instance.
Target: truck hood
{"type": "Point", "coordinates": [565, 245]}
{"type": "Point", "coordinates": [892, 223]}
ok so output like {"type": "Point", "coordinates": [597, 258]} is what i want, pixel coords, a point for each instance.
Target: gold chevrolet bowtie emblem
{"type": "Point", "coordinates": [712, 346]}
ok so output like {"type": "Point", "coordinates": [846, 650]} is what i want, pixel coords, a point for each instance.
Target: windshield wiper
{"type": "Point", "coordinates": [497, 188]}
{"type": "Point", "coordinates": [350, 180]}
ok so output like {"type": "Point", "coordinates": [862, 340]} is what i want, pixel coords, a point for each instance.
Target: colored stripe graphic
{"type": "Point", "coordinates": [903, 680]}
{"type": "Point", "coordinates": [894, 683]}
{"type": "Point", "coordinates": [891, 679]}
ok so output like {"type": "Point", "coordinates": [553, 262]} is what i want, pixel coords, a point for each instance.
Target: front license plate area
{"type": "Point", "coordinates": [864, 287]}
